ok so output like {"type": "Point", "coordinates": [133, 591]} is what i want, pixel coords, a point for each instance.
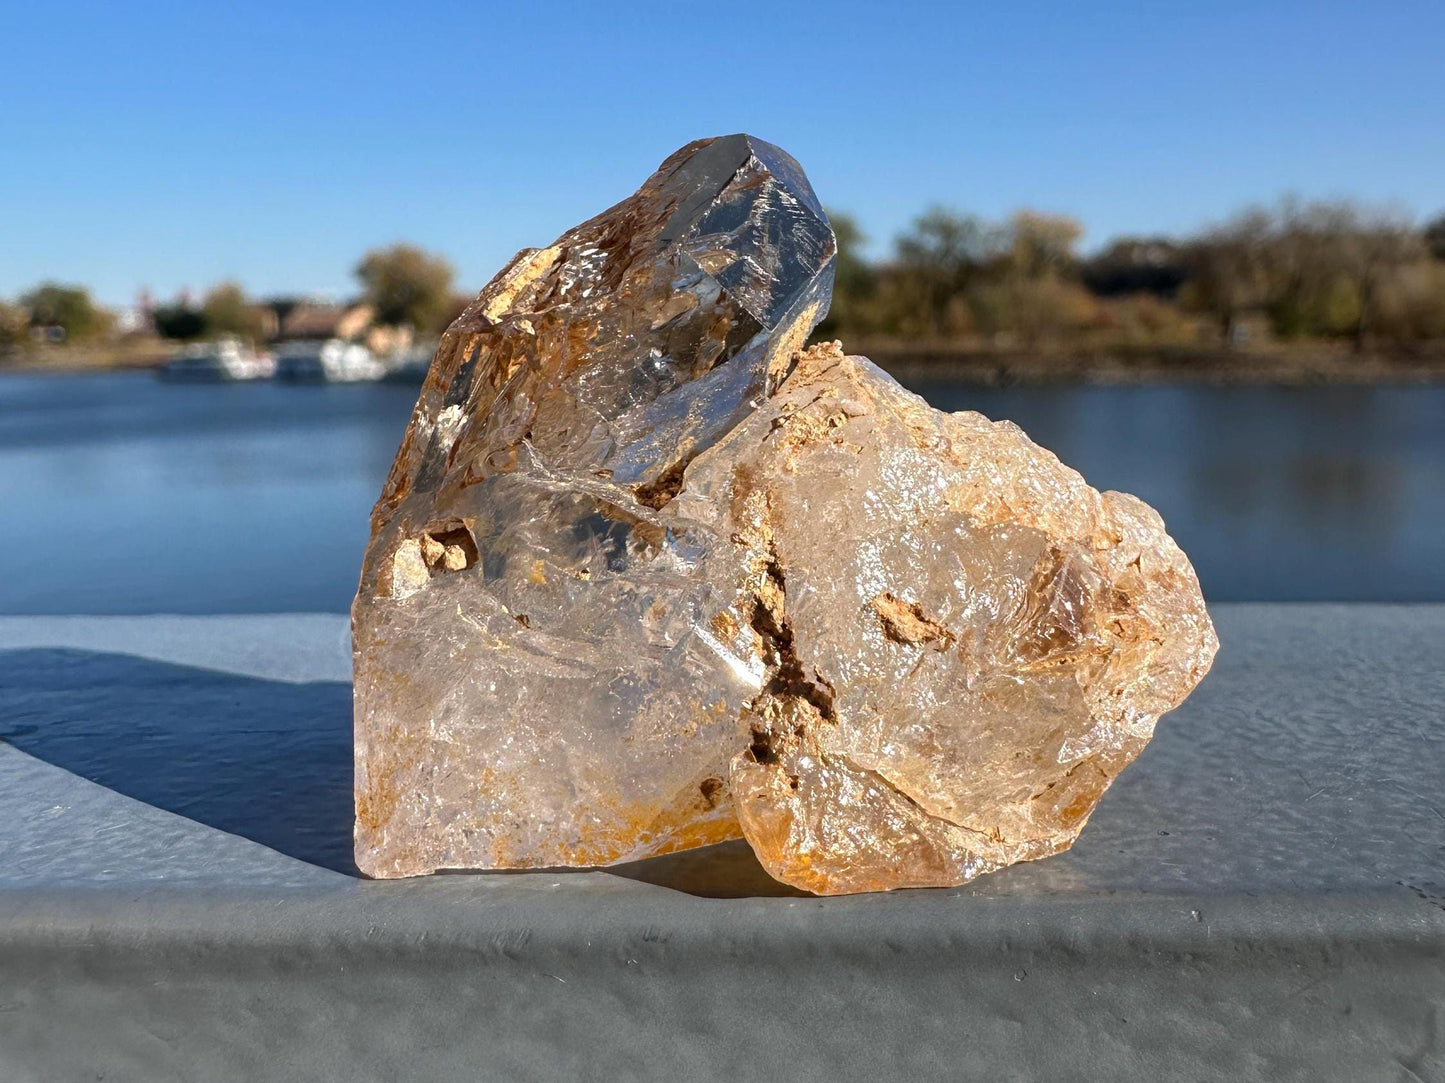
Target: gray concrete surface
{"type": "Point", "coordinates": [1261, 896]}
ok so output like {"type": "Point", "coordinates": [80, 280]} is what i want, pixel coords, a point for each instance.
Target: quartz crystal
{"type": "Point", "coordinates": [648, 575]}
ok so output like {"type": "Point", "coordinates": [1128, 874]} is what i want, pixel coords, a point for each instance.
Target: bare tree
{"type": "Point", "coordinates": [1228, 268]}
{"type": "Point", "coordinates": [1034, 296]}
{"type": "Point", "coordinates": [1331, 259]}
{"type": "Point", "coordinates": [941, 257]}
{"type": "Point", "coordinates": [1040, 245]}
{"type": "Point", "coordinates": [1382, 243]}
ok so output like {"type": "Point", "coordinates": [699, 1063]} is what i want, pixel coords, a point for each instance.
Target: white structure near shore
{"type": "Point", "coordinates": [331, 361]}
{"type": "Point", "coordinates": [225, 359]}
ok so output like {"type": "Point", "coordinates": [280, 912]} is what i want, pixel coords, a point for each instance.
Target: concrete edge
{"type": "Point", "coordinates": [614, 914]}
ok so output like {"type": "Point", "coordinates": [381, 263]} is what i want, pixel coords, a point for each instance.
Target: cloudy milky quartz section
{"type": "Point", "coordinates": [646, 575]}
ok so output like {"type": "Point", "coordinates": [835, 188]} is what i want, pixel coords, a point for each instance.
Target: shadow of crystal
{"type": "Point", "coordinates": [267, 760]}
{"type": "Point", "coordinates": [726, 870]}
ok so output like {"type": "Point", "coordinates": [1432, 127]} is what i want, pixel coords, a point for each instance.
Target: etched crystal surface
{"type": "Point", "coordinates": [646, 576]}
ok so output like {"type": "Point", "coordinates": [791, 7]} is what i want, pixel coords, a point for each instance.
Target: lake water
{"type": "Point", "coordinates": [123, 494]}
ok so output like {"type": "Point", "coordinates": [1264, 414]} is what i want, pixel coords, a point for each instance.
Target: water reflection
{"type": "Point", "coordinates": [124, 495]}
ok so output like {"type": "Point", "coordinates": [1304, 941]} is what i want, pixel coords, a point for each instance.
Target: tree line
{"type": "Point", "coordinates": [1294, 271]}
{"type": "Point", "coordinates": [404, 286]}
{"type": "Point", "coordinates": [1326, 270]}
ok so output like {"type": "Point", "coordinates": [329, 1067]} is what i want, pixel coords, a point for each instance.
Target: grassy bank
{"type": "Point", "coordinates": [141, 353]}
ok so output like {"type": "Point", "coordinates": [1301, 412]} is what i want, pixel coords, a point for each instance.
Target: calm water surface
{"type": "Point", "coordinates": [122, 494]}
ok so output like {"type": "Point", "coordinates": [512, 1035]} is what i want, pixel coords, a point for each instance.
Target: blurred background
{"type": "Point", "coordinates": [1199, 254]}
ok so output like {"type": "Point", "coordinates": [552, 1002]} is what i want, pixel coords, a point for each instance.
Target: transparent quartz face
{"type": "Point", "coordinates": [543, 670]}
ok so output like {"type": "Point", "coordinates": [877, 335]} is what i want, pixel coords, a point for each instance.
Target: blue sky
{"type": "Point", "coordinates": [170, 145]}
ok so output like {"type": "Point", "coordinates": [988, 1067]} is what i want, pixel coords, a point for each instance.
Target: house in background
{"type": "Point", "coordinates": [321, 321]}
{"type": "Point", "coordinates": [314, 320]}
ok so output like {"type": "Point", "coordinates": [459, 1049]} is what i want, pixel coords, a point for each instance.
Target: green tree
{"type": "Point", "coordinates": [227, 311]}
{"type": "Point", "coordinates": [939, 259]}
{"type": "Point", "coordinates": [407, 285]}
{"type": "Point", "coordinates": [855, 275]}
{"type": "Point", "coordinates": [1434, 235]}
{"type": "Point", "coordinates": [179, 320]}
{"type": "Point", "coordinates": [70, 308]}
{"type": "Point", "coordinates": [855, 281]}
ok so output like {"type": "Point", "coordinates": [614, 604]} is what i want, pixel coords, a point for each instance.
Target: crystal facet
{"type": "Point", "coordinates": [646, 575]}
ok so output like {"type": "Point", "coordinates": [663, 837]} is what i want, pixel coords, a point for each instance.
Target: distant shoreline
{"type": "Point", "coordinates": [923, 363]}
{"type": "Point", "coordinates": [920, 363]}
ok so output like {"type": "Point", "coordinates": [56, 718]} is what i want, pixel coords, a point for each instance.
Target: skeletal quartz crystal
{"type": "Point", "coordinates": [647, 575]}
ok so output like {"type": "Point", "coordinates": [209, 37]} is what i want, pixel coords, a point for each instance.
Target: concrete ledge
{"type": "Point", "coordinates": [1262, 896]}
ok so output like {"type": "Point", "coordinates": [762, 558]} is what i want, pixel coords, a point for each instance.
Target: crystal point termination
{"type": "Point", "coordinates": [647, 576]}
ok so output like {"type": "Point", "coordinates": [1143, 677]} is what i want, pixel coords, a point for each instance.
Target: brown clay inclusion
{"type": "Point", "coordinates": [647, 576]}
